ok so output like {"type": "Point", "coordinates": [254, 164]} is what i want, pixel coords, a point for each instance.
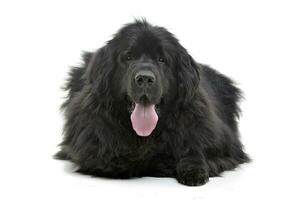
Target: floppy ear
{"type": "Point", "coordinates": [99, 71]}
{"type": "Point", "coordinates": [188, 76]}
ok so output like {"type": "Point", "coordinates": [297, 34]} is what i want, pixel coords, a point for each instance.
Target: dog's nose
{"type": "Point", "coordinates": [144, 78]}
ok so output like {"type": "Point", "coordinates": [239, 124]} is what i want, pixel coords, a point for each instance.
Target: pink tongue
{"type": "Point", "coordinates": [144, 119]}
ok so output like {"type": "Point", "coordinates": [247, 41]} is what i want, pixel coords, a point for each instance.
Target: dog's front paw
{"type": "Point", "coordinates": [192, 175]}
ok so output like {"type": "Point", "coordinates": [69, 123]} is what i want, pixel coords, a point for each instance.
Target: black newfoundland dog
{"type": "Point", "coordinates": [142, 106]}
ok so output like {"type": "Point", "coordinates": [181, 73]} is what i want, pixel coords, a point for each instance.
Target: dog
{"type": "Point", "coordinates": [142, 106]}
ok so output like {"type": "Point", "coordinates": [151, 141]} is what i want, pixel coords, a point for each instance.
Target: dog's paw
{"type": "Point", "coordinates": [192, 176]}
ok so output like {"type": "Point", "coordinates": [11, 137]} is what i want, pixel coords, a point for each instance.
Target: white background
{"type": "Point", "coordinates": [257, 43]}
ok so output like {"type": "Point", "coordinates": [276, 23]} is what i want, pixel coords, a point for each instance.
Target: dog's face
{"type": "Point", "coordinates": [145, 73]}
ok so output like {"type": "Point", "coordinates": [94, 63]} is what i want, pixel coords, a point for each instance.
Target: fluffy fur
{"type": "Point", "coordinates": [196, 136]}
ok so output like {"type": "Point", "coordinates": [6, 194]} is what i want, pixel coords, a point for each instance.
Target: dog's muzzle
{"type": "Point", "coordinates": [145, 92]}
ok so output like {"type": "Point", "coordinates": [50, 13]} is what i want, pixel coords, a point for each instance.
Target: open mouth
{"type": "Point", "coordinates": [131, 106]}
{"type": "Point", "coordinates": [143, 116]}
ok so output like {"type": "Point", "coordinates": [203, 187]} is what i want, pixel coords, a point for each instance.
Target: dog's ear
{"type": "Point", "coordinates": [188, 77]}
{"type": "Point", "coordinates": [99, 70]}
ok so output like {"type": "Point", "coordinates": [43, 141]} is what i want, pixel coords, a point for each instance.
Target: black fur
{"type": "Point", "coordinates": [196, 135]}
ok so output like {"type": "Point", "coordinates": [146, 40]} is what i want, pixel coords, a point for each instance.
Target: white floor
{"type": "Point", "coordinates": [51, 179]}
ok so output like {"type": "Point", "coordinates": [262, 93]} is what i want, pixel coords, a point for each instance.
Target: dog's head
{"type": "Point", "coordinates": [146, 70]}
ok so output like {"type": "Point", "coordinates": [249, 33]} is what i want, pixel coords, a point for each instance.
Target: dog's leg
{"type": "Point", "coordinates": [192, 170]}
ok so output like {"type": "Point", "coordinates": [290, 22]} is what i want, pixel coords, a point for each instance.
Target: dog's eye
{"type": "Point", "coordinates": [129, 57]}
{"type": "Point", "coordinates": [161, 59]}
